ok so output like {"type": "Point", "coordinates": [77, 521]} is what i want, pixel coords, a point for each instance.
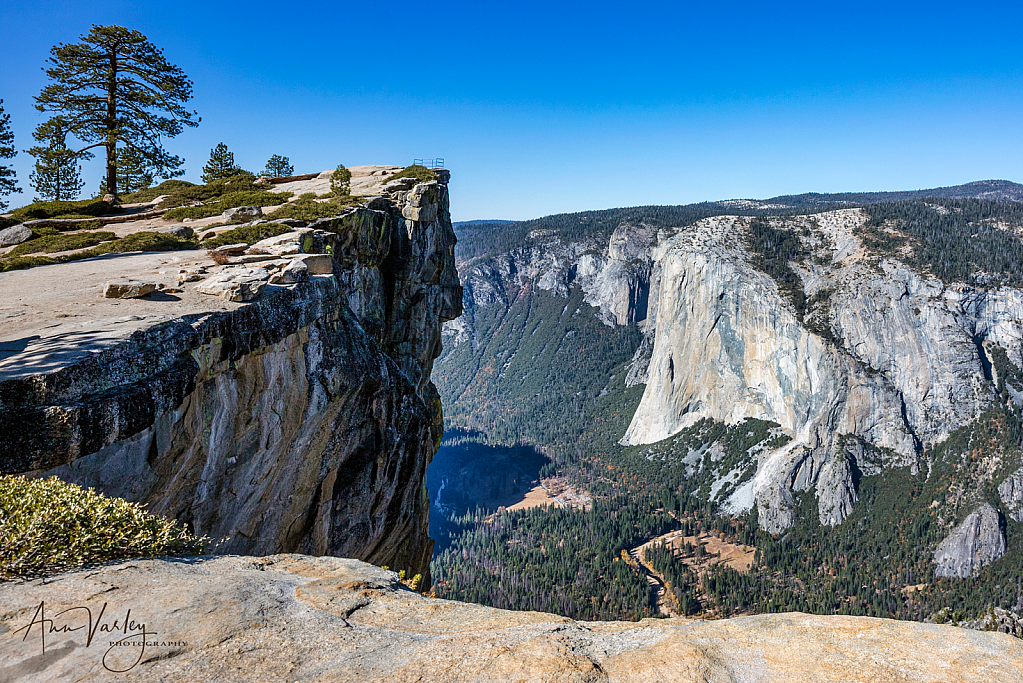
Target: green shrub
{"type": "Point", "coordinates": [420, 173]}
{"type": "Point", "coordinates": [22, 262]}
{"type": "Point", "coordinates": [167, 187]}
{"type": "Point", "coordinates": [87, 208]}
{"type": "Point", "coordinates": [139, 241]}
{"type": "Point", "coordinates": [48, 526]}
{"type": "Point", "coordinates": [201, 193]}
{"type": "Point", "coordinates": [49, 244]}
{"type": "Point", "coordinates": [7, 222]}
{"type": "Point", "coordinates": [310, 210]}
{"type": "Point", "coordinates": [228, 201]}
{"type": "Point", "coordinates": [250, 234]}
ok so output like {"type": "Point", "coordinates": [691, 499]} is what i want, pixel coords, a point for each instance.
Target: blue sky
{"type": "Point", "coordinates": [550, 107]}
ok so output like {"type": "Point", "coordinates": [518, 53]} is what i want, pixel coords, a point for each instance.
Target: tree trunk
{"type": "Point", "coordinates": [111, 145]}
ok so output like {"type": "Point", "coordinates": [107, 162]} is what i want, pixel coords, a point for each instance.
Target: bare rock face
{"type": "Point", "coordinates": [287, 618]}
{"type": "Point", "coordinates": [976, 542]}
{"type": "Point", "coordinates": [302, 421]}
{"type": "Point", "coordinates": [1011, 492]}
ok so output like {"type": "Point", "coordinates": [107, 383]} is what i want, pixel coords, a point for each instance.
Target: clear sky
{"type": "Point", "coordinates": [549, 107]}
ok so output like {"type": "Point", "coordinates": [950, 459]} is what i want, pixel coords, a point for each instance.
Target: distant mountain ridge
{"type": "Point", "coordinates": [1004, 190]}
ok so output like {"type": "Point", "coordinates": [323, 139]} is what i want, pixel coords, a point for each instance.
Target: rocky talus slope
{"type": "Point", "coordinates": [278, 401]}
{"type": "Point", "coordinates": [871, 367]}
{"type": "Point", "coordinates": [296, 618]}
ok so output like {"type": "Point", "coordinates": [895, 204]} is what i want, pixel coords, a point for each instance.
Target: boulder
{"type": "Point", "coordinates": [282, 245]}
{"type": "Point", "coordinates": [128, 289]}
{"type": "Point", "coordinates": [182, 231]}
{"type": "Point", "coordinates": [296, 271]}
{"type": "Point", "coordinates": [318, 264]}
{"type": "Point", "coordinates": [245, 213]}
{"type": "Point", "coordinates": [976, 542]}
{"type": "Point", "coordinates": [226, 249]}
{"type": "Point", "coordinates": [16, 234]}
{"type": "Point", "coordinates": [236, 284]}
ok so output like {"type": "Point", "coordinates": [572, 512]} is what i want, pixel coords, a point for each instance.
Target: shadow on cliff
{"type": "Point", "coordinates": [467, 475]}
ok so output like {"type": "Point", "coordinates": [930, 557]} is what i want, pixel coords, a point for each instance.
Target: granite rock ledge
{"type": "Point", "coordinates": [300, 421]}
{"type": "Point", "coordinates": [298, 618]}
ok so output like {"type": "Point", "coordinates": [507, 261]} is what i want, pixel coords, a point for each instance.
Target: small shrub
{"type": "Point", "coordinates": [420, 173]}
{"type": "Point", "coordinates": [311, 210]}
{"type": "Point", "coordinates": [250, 234]}
{"type": "Point", "coordinates": [49, 244]}
{"type": "Point", "coordinates": [167, 187]}
{"type": "Point", "coordinates": [88, 208]}
{"type": "Point", "coordinates": [139, 241]}
{"type": "Point", "coordinates": [228, 201]}
{"type": "Point", "coordinates": [22, 262]}
{"type": "Point", "coordinates": [202, 193]}
{"type": "Point", "coordinates": [48, 526]}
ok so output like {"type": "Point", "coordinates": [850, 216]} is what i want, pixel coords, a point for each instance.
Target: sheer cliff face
{"type": "Point", "coordinates": [903, 366]}
{"type": "Point", "coordinates": [880, 364]}
{"type": "Point", "coordinates": [301, 422]}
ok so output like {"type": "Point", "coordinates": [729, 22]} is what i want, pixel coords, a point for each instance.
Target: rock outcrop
{"type": "Point", "coordinates": [1011, 493]}
{"type": "Point", "coordinates": [879, 361]}
{"type": "Point", "coordinates": [301, 421]}
{"type": "Point", "coordinates": [292, 618]}
{"type": "Point", "coordinates": [976, 542]}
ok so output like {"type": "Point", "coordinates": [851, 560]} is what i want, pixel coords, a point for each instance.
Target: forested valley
{"type": "Point", "coordinates": [543, 382]}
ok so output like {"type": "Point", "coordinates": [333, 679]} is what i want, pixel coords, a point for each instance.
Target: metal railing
{"type": "Point", "coordinates": [429, 163]}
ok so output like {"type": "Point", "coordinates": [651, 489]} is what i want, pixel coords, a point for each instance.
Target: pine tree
{"type": "Point", "coordinates": [56, 176]}
{"type": "Point", "coordinates": [132, 172]}
{"type": "Point", "coordinates": [117, 87]}
{"type": "Point", "coordinates": [278, 167]}
{"type": "Point", "coordinates": [221, 165]}
{"type": "Point", "coordinates": [8, 178]}
{"type": "Point", "coordinates": [341, 181]}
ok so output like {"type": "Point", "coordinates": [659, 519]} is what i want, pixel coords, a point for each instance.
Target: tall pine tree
{"type": "Point", "coordinates": [221, 165]}
{"type": "Point", "coordinates": [117, 87]}
{"type": "Point", "coordinates": [56, 176]}
{"type": "Point", "coordinates": [8, 178]}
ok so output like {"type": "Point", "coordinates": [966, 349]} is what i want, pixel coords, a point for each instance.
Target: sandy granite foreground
{"type": "Point", "coordinates": [299, 618]}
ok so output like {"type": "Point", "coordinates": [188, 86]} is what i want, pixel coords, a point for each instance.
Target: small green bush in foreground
{"type": "Point", "coordinates": [139, 241]}
{"type": "Point", "coordinates": [87, 208]}
{"type": "Point", "coordinates": [22, 262]}
{"type": "Point", "coordinates": [49, 526]}
{"type": "Point", "coordinates": [48, 244]}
